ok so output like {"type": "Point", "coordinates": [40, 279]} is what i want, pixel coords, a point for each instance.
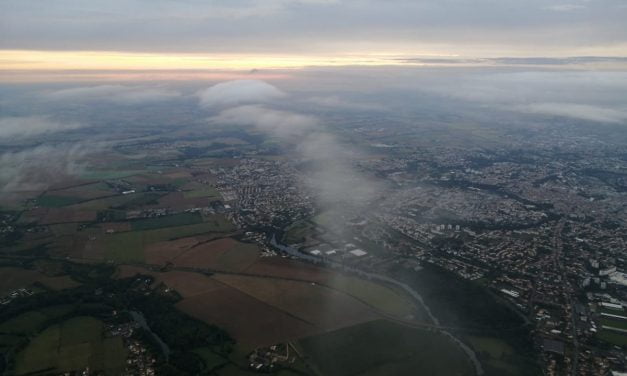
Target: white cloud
{"type": "Point", "coordinates": [277, 123]}
{"type": "Point", "coordinates": [335, 101]}
{"type": "Point", "coordinates": [38, 168]}
{"type": "Point", "coordinates": [577, 111]}
{"type": "Point", "coordinates": [592, 96]}
{"type": "Point", "coordinates": [25, 126]}
{"type": "Point", "coordinates": [565, 7]}
{"type": "Point", "coordinates": [118, 94]}
{"type": "Point", "coordinates": [330, 177]}
{"type": "Point", "coordinates": [239, 92]}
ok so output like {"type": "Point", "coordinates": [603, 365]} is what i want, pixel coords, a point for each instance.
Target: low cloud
{"type": "Point", "coordinates": [117, 94]}
{"type": "Point", "coordinates": [577, 111]}
{"type": "Point", "coordinates": [591, 96]}
{"type": "Point", "coordinates": [39, 168]}
{"type": "Point", "coordinates": [25, 126]}
{"type": "Point", "coordinates": [565, 7]}
{"type": "Point", "coordinates": [239, 92]}
{"type": "Point", "coordinates": [331, 177]}
{"type": "Point", "coordinates": [329, 174]}
{"type": "Point", "coordinates": [282, 124]}
{"type": "Point", "coordinates": [335, 101]}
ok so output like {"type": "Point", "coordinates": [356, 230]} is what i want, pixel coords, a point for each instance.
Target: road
{"type": "Point", "coordinates": [558, 249]}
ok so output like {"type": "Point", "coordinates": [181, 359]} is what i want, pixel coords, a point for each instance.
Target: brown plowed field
{"type": "Point", "coordinates": [248, 320]}
{"type": "Point", "coordinates": [326, 308]}
{"type": "Point", "coordinates": [14, 278]}
{"type": "Point", "coordinates": [187, 284]}
{"type": "Point", "coordinates": [163, 252]}
{"type": "Point", "coordinates": [64, 215]}
{"type": "Point", "coordinates": [286, 268]}
{"type": "Point", "coordinates": [176, 200]}
{"type": "Point", "coordinates": [224, 254]}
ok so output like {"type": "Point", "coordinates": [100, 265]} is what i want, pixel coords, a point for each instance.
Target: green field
{"type": "Point", "coordinates": [57, 310]}
{"type": "Point", "coordinates": [492, 346]}
{"type": "Point", "coordinates": [104, 203]}
{"type": "Point", "coordinates": [56, 201]}
{"type": "Point", "coordinates": [9, 340]}
{"type": "Point", "coordinates": [105, 174]}
{"type": "Point", "coordinates": [64, 229]}
{"type": "Point", "coordinates": [497, 357]}
{"type": "Point", "coordinates": [195, 190]}
{"type": "Point", "coordinates": [128, 246]}
{"type": "Point", "coordinates": [139, 200]}
{"type": "Point", "coordinates": [181, 219]}
{"type": "Point", "coordinates": [619, 324]}
{"type": "Point", "coordinates": [614, 338]}
{"type": "Point", "coordinates": [326, 219]}
{"type": "Point", "coordinates": [72, 345]}
{"type": "Point", "coordinates": [297, 232]}
{"type": "Point", "coordinates": [26, 323]}
{"type": "Point", "coordinates": [32, 321]}
{"type": "Point", "coordinates": [125, 247]}
{"type": "Point", "coordinates": [385, 348]}
{"type": "Point", "coordinates": [80, 330]}
{"type": "Point", "coordinates": [612, 311]}
{"type": "Point", "coordinates": [210, 358]}
{"type": "Point", "coordinates": [381, 297]}
{"type": "Point", "coordinates": [129, 201]}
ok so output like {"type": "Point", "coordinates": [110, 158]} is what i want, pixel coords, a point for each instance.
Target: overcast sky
{"type": "Point", "coordinates": [472, 28]}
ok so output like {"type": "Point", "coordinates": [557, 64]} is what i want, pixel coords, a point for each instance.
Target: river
{"type": "Point", "coordinates": [383, 278]}
{"type": "Point", "coordinates": [141, 320]}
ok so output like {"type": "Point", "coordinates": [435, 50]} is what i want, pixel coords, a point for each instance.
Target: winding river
{"type": "Point", "coordinates": [383, 278]}
{"type": "Point", "coordinates": [141, 320]}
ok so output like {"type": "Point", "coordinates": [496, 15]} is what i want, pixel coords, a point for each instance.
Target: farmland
{"type": "Point", "coordinates": [325, 308]}
{"type": "Point", "coordinates": [51, 201]}
{"type": "Point", "coordinates": [298, 232]}
{"type": "Point", "coordinates": [14, 278]}
{"type": "Point", "coordinates": [166, 223]}
{"type": "Point", "coordinates": [129, 246]}
{"type": "Point", "coordinates": [224, 254]}
{"type": "Point", "coordinates": [614, 338]}
{"type": "Point", "coordinates": [195, 190]}
{"type": "Point", "coordinates": [72, 345]}
{"type": "Point", "coordinates": [26, 323]}
{"type": "Point", "coordinates": [376, 295]}
{"type": "Point", "coordinates": [187, 284]}
{"type": "Point", "coordinates": [162, 252]}
{"type": "Point", "coordinates": [383, 348]}
{"type": "Point", "coordinates": [290, 308]}
{"type": "Point", "coordinates": [381, 298]}
{"type": "Point", "coordinates": [128, 201]}
{"type": "Point", "coordinates": [109, 174]}
{"type": "Point", "coordinates": [181, 219]}
{"type": "Point", "coordinates": [497, 356]}
{"type": "Point", "coordinates": [230, 309]}
{"type": "Point", "coordinates": [619, 324]}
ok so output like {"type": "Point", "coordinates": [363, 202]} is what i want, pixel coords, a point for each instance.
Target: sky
{"type": "Point", "coordinates": [246, 34]}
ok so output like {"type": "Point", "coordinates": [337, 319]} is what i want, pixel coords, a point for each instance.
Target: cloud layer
{"type": "Point", "coordinates": [577, 111]}
{"type": "Point", "coordinates": [476, 28]}
{"type": "Point", "coordinates": [26, 126]}
{"type": "Point", "coordinates": [117, 94]}
{"type": "Point", "coordinates": [329, 176]}
{"type": "Point", "coordinates": [589, 96]}
{"type": "Point", "coordinates": [282, 124]}
{"type": "Point", "coordinates": [40, 167]}
{"type": "Point", "coordinates": [238, 92]}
